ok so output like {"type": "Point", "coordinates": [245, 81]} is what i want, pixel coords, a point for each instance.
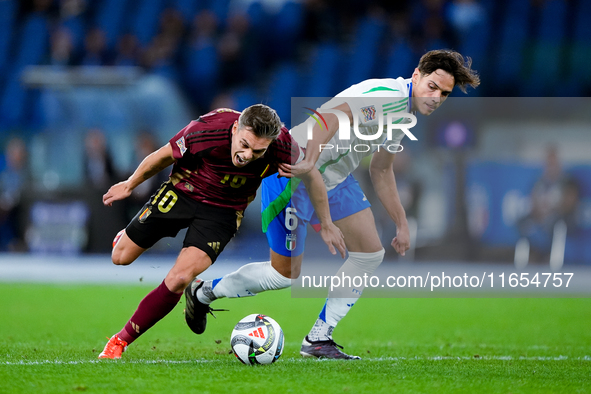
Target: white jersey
{"type": "Point", "coordinates": [370, 101]}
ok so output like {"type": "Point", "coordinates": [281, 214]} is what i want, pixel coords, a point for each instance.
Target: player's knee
{"type": "Point", "coordinates": [177, 282]}
{"type": "Point", "coordinates": [367, 261]}
{"type": "Point", "coordinates": [118, 255]}
{"type": "Point", "coordinates": [119, 258]}
{"type": "Point", "coordinates": [190, 263]}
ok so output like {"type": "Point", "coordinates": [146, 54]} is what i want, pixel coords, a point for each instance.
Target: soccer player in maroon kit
{"type": "Point", "coordinates": [219, 161]}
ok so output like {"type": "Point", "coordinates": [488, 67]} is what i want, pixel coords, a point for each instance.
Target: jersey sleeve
{"type": "Point", "coordinates": [179, 142]}
{"type": "Point", "coordinates": [200, 135]}
{"type": "Point", "coordinates": [377, 99]}
{"type": "Point", "coordinates": [393, 145]}
{"type": "Point", "coordinates": [286, 149]}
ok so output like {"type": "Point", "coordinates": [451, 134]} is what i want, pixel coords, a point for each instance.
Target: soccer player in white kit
{"type": "Point", "coordinates": [336, 152]}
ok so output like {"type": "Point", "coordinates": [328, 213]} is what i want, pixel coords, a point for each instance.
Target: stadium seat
{"type": "Point", "coordinates": [13, 103]}
{"type": "Point", "coordinates": [7, 19]}
{"type": "Point", "coordinates": [284, 85]}
{"type": "Point", "coordinates": [400, 61]}
{"type": "Point", "coordinates": [257, 15]}
{"type": "Point", "coordinates": [366, 47]}
{"type": "Point", "coordinates": [76, 27]}
{"type": "Point", "coordinates": [509, 56]}
{"type": "Point", "coordinates": [220, 8]}
{"type": "Point", "coordinates": [546, 64]}
{"type": "Point", "coordinates": [244, 97]}
{"type": "Point", "coordinates": [201, 68]}
{"type": "Point", "coordinates": [323, 72]}
{"type": "Point", "coordinates": [187, 8]}
{"type": "Point", "coordinates": [33, 41]}
{"type": "Point", "coordinates": [476, 43]}
{"type": "Point", "coordinates": [146, 19]}
{"type": "Point", "coordinates": [552, 25]}
{"type": "Point", "coordinates": [110, 18]}
{"type": "Point", "coordinates": [286, 30]}
{"type": "Point", "coordinates": [32, 47]}
{"type": "Point", "coordinates": [580, 49]}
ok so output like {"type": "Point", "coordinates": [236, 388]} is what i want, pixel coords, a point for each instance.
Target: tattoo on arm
{"type": "Point", "coordinates": [151, 172]}
{"type": "Point", "coordinates": [153, 164]}
{"type": "Point", "coordinates": [154, 169]}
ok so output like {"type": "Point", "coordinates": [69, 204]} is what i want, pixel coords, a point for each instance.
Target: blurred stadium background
{"type": "Point", "coordinates": [89, 87]}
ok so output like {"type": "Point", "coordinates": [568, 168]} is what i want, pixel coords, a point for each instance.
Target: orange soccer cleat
{"type": "Point", "coordinates": [118, 237]}
{"type": "Point", "coordinates": [113, 348]}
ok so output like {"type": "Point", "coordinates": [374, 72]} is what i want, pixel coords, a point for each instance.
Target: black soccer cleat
{"type": "Point", "coordinates": [196, 311]}
{"type": "Point", "coordinates": [324, 349]}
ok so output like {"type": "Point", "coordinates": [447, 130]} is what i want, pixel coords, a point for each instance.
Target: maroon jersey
{"type": "Point", "coordinates": [204, 169]}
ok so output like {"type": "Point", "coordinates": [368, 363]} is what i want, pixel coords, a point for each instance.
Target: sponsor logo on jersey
{"type": "Point", "coordinates": [181, 144]}
{"type": "Point", "coordinates": [290, 241]}
{"type": "Point", "coordinates": [369, 113]}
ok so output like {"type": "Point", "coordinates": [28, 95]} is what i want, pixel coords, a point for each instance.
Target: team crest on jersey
{"type": "Point", "coordinates": [145, 214]}
{"type": "Point", "coordinates": [290, 241]}
{"type": "Point", "coordinates": [369, 113]}
{"type": "Point", "coordinates": [181, 144]}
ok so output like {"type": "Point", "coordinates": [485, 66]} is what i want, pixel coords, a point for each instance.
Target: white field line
{"type": "Point", "coordinates": [377, 359]}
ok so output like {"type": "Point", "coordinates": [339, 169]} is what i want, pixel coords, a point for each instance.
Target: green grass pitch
{"type": "Point", "coordinates": [50, 337]}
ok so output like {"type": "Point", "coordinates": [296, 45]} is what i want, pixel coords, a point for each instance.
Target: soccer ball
{"type": "Point", "coordinates": [257, 339]}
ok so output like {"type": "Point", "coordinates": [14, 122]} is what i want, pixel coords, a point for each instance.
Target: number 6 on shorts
{"type": "Point", "coordinates": [291, 220]}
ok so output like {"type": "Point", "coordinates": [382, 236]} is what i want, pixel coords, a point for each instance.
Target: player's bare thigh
{"type": "Point", "coordinates": [125, 251]}
{"type": "Point", "coordinates": [191, 262]}
{"type": "Point", "coordinates": [360, 232]}
{"type": "Point", "coordinates": [287, 266]}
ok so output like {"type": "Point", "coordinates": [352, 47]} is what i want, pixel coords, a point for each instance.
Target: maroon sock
{"type": "Point", "coordinates": [157, 304]}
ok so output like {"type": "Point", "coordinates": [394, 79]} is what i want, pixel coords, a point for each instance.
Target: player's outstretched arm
{"type": "Point", "coordinates": [384, 183]}
{"type": "Point", "coordinates": [330, 233]}
{"type": "Point", "coordinates": [150, 166]}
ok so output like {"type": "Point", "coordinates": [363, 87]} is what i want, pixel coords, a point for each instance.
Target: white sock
{"type": "Point", "coordinates": [341, 299]}
{"type": "Point", "coordinates": [248, 280]}
{"type": "Point", "coordinates": [321, 331]}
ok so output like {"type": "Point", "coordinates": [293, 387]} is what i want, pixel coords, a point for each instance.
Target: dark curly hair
{"type": "Point", "coordinates": [452, 62]}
